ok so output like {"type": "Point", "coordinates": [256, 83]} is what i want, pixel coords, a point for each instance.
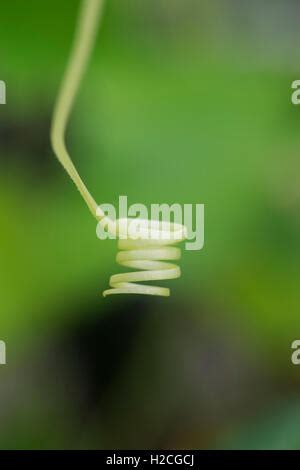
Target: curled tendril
{"type": "Point", "coordinates": [145, 245]}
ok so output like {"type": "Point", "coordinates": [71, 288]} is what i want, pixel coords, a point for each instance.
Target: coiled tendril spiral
{"type": "Point", "coordinates": [146, 245]}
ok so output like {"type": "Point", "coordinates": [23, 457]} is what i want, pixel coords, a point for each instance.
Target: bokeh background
{"type": "Point", "coordinates": [184, 101]}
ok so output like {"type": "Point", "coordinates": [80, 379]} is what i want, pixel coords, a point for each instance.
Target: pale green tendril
{"type": "Point", "coordinates": [147, 253]}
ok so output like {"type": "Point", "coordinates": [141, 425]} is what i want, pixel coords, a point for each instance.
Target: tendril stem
{"type": "Point", "coordinates": [85, 36]}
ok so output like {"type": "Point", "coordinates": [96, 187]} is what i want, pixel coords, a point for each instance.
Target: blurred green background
{"type": "Point", "coordinates": [184, 102]}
